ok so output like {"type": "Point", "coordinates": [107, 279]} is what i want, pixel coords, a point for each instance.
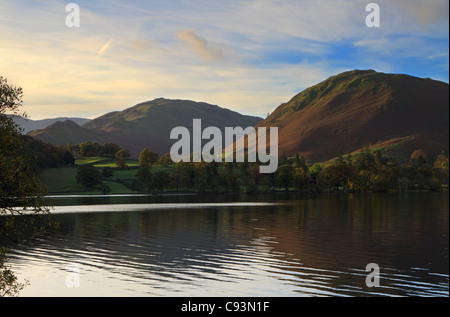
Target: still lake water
{"type": "Point", "coordinates": [283, 245]}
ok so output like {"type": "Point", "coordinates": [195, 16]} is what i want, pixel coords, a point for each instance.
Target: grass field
{"type": "Point", "coordinates": [104, 162]}
{"type": "Point", "coordinates": [88, 160]}
{"type": "Point", "coordinates": [63, 180]}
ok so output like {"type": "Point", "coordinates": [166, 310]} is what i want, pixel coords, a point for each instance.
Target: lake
{"type": "Point", "coordinates": [253, 246]}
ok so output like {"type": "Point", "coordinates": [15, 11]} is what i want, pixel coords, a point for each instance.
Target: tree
{"type": "Point", "coordinates": [284, 177]}
{"type": "Point", "coordinates": [418, 156]}
{"type": "Point", "coordinates": [87, 149]}
{"type": "Point", "coordinates": [20, 190]}
{"type": "Point", "coordinates": [302, 179]}
{"type": "Point", "coordinates": [147, 158]}
{"type": "Point", "coordinates": [160, 180]}
{"type": "Point", "coordinates": [104, 189]}
{"type": "Point", "coordinates": [107, 172]}
{"type": "Point", "coordinates": [175, 179]}
{"type": "Point", "coordinates": [109, 149]}
{"type": "Point", "coordinates": [144, 178]}
{"type": "Point", "coordinates": [334, 176]}
{"type": "Point", "coordinates": [232, 181]}
{"type": "Point", "coordinates": [188, 174]}
{"type": "Point", "coordinates": [121, 163]}
{"type": "Point", "coordinates": [122, 155]}
{"type": "Point", "coordinates": [166, 159]}
{"type": "Point", "coordinates": [421, 173]}
{"type": "Point", "coordinates": [88, 176]}
{"type": "Point", "coordinates": [201, 179]}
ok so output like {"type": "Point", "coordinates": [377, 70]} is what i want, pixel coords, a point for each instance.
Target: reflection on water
{"type": "Point", "coordinates": [278, 246]}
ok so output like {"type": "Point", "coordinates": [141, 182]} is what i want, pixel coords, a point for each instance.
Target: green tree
{"type": "Point", "coordinates": [333, 176]}
{"type": "Point", "coordinates": [121, 163]}
{"type": "Point", "coordinates": [107, 172]}
{"type": "Point", "coordinates": [188, 174]}
{"type": "Point", "coordinates": [421, 174]}
{"type": "Point", "coordinates": [213, 177]}
{"type": "Point", "coordinates": [166, 159]}
{"type": "Point", "coordinates": [144, 177]}
{"type": "Point", "coordinates": [87, 149]}
{"type": "Point", "coordinates": [160, 180]}
{"type": "Point", "coordinates": [20, 190]}
{"type": "Point", "coordinates": [232, 181]}
{"type": "Point", "coordinates": [285, 177]}
{"type": "Point", "coordinates": [201, 180]}
{"type": "Point", "coordinates": [109, 149]}
{"type": "Point", "coordinates": [123, 153]}
{"type": "Point", "coordinates": [147, 158]}
{"type": "Point", "coordinates": [88, 176]}
{"type": "Point", "coordinates": [121, 156]}
{"type": "Point", "coordinates": [256, 178]}
{"type": "Point", "coordinates": [302, 179]}
{"type": "Point", "coordinates": [176, 179]}
{"type": "Point", "coordinates": [104, 189]}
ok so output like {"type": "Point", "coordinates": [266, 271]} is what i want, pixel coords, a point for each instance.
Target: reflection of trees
{"type": "Point", "coordinates": [326, 232]}
{"type": "Point", "coordinates": [360, 222]}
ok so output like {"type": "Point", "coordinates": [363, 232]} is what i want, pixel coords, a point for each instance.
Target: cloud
{"type": "Point", "coordinates": [104, 48]}
{"type": "Point", "coordinates": [141, 44]}
{"type": "Point", "coordinates": [426, 13]}
{"type": "Point", "coordinates": [207, 50]}
{"type": "Point", "coordinates": [247, 55]}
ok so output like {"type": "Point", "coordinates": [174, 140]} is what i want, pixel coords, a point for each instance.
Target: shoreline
{"type": "Point", "coordinates": [174, 194]}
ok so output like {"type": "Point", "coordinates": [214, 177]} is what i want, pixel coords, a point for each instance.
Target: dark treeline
{"type": "Point", "coordinates": [90, 149]}
{"type": "Point", "coordinates": [44, 155]}
{"type": "Point", "coordinates": [366, 171]}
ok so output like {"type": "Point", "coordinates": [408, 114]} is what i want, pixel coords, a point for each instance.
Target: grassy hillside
{"type": "Point", "coordinates": [63, 180]}
{"type": "Point", "coordinates": [28, 125]}
{"type": "Point", "coordinates": [356, 109]}
{"type": "Point", "coordinates": [62, 133]}
{"type": "Point", "coordinates": [146, 125]}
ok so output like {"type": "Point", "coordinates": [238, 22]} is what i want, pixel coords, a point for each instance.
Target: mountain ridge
{"type": "Point", "coordinates": [363, 108]}
{"type": "Point", "coordinates": [28, 124]}
{"type": "Point", "coordinates": [345, 113]}
{"type": "Point", "coordinates": [147, 124]}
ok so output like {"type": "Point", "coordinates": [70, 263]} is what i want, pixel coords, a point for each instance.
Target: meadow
{"type": "Point", "coordinates": [62, 180]}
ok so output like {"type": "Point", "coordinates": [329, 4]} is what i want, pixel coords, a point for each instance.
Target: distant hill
{"type": "Point", "coordinates": [28, 125]}
{"type": "Point", "coordinates": [347, 112]}
{"type": "Point", "coordinates": [147, 124]}
{"type": "Point", "coordinates": [61, 133]}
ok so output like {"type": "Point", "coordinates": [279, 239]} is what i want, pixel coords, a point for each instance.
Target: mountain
{"type": "Point", "coordinates": [61, 133]}
{"type": "Point", "coordinates": [28, 125]}
{"type": "Point", "coordinates": [147, 124]}
{"type": "Point", "coordinates": [363, 108]}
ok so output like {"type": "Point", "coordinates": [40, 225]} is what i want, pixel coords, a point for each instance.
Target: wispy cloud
{"type": "Point", "coordinates": [104, 48]}
{"type": "Point", "coordinates": [207, 50]}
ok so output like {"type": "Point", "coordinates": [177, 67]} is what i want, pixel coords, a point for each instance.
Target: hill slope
{"type": "Point", "coordinates": [355, 109]}
{"type": "Point", "coordinates": [61, 133]}
{"type": "Point", "coordinates": [147, 124]}
{"type": "Point", "coordinates": [29, 125]}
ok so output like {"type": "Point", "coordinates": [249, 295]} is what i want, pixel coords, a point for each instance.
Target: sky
{"type": "Point", "coordinates": [246, 55]}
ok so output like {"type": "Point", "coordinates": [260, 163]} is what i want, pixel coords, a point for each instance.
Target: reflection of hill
{"type": "Point", "coordinates": [308, 230]}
